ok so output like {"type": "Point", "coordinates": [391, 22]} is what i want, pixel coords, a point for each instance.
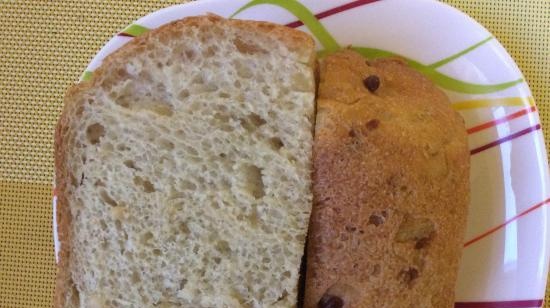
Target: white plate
{"type": "Point", "coordinates": [505, 258]}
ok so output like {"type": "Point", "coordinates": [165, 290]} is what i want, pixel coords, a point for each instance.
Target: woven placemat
{"type": "Point", "coordinates": [45, 45]}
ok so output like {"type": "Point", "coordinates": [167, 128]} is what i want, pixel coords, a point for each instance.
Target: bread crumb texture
{"type": "Point", "coordinates": [187, 164]}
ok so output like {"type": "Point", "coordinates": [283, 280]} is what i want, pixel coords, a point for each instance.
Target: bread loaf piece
{"type": "Point", "coordinates": [183, 169]}
{"type": "Point", "coordinates": [390, 187]}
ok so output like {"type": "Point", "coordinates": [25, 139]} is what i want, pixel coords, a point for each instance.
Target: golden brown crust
{"type": "Point", "coordinates": [390, 188]}
{"type": "Point", "coordinates": [294, 40]}
{"type": "Point", "coordinates": [63, 212]}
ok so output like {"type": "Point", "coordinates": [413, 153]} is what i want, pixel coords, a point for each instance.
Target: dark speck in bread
{"type": "Point", "coordinates": [330, 301]}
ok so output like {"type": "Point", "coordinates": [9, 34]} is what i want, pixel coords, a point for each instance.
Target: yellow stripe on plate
{"type": "Point", "coordinates": [494, 102]}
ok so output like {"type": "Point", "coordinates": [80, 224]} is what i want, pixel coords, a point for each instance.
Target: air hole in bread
{"type": "Point", "coordinates": [215, 205]}
{"type": "Point", "coordinates": [237, 84]}
{"type": "Point", "coordinates": [253, 180]}
{"type": "Point", "coordinates": [131, 164]}
{"type": "Point", "coordinates": [183, 94]}
{"type": "Point", "coordinates": [103, 227]}
{"type": "Point", "coordinates": [106, 198]}
{"type": "Point", "coordinates": [210, 87]}
{"type": "Point", "coordinates": [223, 247]}
{"type": "Point", "coordinates": [191, 150]}
{"type": "Point", "coordinates": [183, 228]}
{"type": "Point", "coordinates": [283, 296]}
{"type": "Point", "coordinates": [291, 159]}
{"type": "Point", "coordinates": [94, 133]}
{"type": "Point", "coordinates": [145, 184]}
{"type": "Point", "coordinates": [276, 143]}
{"type": "Point", "coordinates": [198, 80]}
{"type": "Point", "coordinates": [117, 212]}
{"type": "Point", "coordinates": [225, 184]}
{"type": "Point", "coordinates": [253, 219]}
{"type": "Point", "coordinates": [122, 147]}
{"type": "Point", "coordinates": [122, 101]}
{"type": "Point", "coordinates": [224, 95]}
{"type": "Point", "coordinates": [206, 145]}
{"type": "Point", "coordinates": [252, 121]}
{"type": "Point", "coordinates": [146, 237]}
{"type": "Point", "coordinates": [210, 51]}
{"type": "Point", "coordinates": [287, 274]}
{"type": "Point", "coordinates": [246, 47]}
{"type": "Point", "coordinates": [118, 224]}
{"type": "Point", "coordinates": [242, 70]}
{"type": "Point", "coordinates": [106, 148]}
{"type": "Point", "coordinates": [74, 181]}
{"type": "Point", "coordinates": [157, 252]}
{"type": "Point", "coordinates": [183, 282]}
{"type": "Point", "coordinates": [188, 185]}
{"type": "Point", "coordinates": [135, 277]}
{"type": "Point", "coordinates": [161, 109]}
{"type": "Point", "coordinates": [221, 117]}
{"type": "Point", "coordinates": [190, 54]}
{"type": "Point", "coordinates": [165, 144]}
{"type": "Point", "coordinates": [227, 128]}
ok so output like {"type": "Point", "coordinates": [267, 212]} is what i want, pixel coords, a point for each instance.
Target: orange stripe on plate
{"type": "Point", "coordinates": [501, 120]}
{"type": "Point", "coordinates": [502, 225]}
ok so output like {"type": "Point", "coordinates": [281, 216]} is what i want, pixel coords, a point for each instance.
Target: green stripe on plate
{"type": "Point", "coordinates": [134, 30]}
{"type": "Point", "coordinates": [87, 75]}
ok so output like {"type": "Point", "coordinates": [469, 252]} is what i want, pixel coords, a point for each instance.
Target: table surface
{"type": "Point", "coordinates": [45, 45]}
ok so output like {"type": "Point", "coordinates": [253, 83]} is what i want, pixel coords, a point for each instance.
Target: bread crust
{"type": "Point", "coordinates": [390, 186]}
{"type": "Point", "coordinates": [293, 40]}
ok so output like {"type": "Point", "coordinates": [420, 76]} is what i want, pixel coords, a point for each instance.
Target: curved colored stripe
{"type": "Point", "coordinates": [456, 85]}
{"type": "Point", "coordinates": [505, 139]}
{"type": "Point", "coordinates": [459, 54]}
{"type": "Point", "coordinates": [438, 78]}
{"type": "Point", "coordinates": [302, 13]}
{"type": "Point", "coordinates": [498, 121]}
{"type": "Point", "coordinates": [505, 304]}
{"type": "Point", "coordinates": [494, 102]}
{"type": "Point", "coordinates": [330, 45]}
{"type": "Point", "coordinates": [336, 10]}
{"type": "Point", "coordinates": [133, 30]}
{"type": "Point", "coordinates": [502, 225]}
{"type": "Point", "coordinates": [87, 75]}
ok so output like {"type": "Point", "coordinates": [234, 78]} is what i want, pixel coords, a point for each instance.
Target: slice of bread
{"type": "Point", "coordinates": [390, 188]}
{"type": "Point", "coordinates": [183, 169]}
